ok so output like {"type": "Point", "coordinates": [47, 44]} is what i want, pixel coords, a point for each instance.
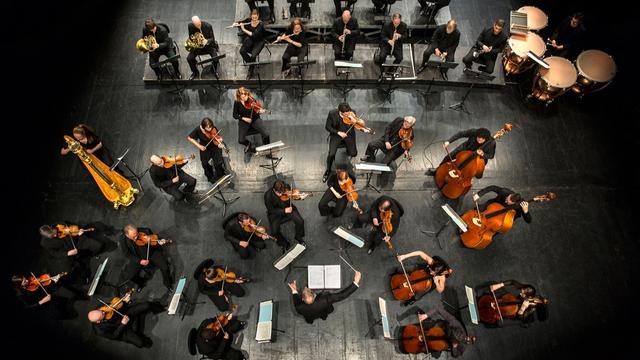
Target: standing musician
{"type": "Point", "coordinates": [207, 139]}
{"type": "Point", "coordinates": [517, 302]}
{"type": "Point", "coordinates": [169, 178]}
{"type": "Point", "coordinates": [392, 37]}
{"type": "Point", "coordinates": [145, 250]}
{"type": "Point", "coordinates": [245, 234]}
{"type": "Point", "coordinates": [398, 135]}
{"type": "Point", "coordinates": [90, 142]}
{"type": "Point", "coordinates": [339, 133]}
{"type": "Point", "coordinates": [125, 321]}
{"type": "Point", "coordinates": [568, 37]}
{"type": "Point", "coordinates": [247, 111]}
{"type": "Point", "coordinates": [280, 208]}
{"type": "Point", "coordinates": [505, 197]}
{"type": "Point", "coordinates": [443, 44]}
{"type": "Point", "coordinates": [217, 281]}
{"type": "Point", "coordinates": [490, 43]}
{"type": "Point", "coordinates": [210, 46]}
{"type": "Point", "coordinates": [345, 32]}
{"type": "Point", "coordinates": [163, 46]}
{"type": "Point", "coordinates": [347, 5]}
{"type": "Point", "coordinates": [253, 42]}
{"type": "Point", "coordinates": [297, 46]}
{"type": "Point", "coordinates": [438, 330]}
{"type": "Point", "coordinates": [40, 294]}
{"type": "Point", "coordinates": [214, 341]}
{"type": "Point", "coordinates": [385, 212]}
{"type": "Point", "coordinates": [476, 138]}
{"type": "Point", "coordinates": [337, 183]}
{"type": "Point", "coordinates": [437, 269]}
{"type": "Point", "coordinates": [314, 306]}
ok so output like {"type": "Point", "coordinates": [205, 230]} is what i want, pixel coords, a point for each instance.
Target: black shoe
{"type": "Point", "coordinates": [158, 77]}
{"type": "Point", "coordinates": [301, 242]}
{"type": "Point", "coordinates": [325, 176]}
{"type": "Point", "coordinates": [350, 226]}
{"type": "Point", "coordinates": [367, 159]}
{"type": "Point", "coordinates": [243, 324]}
{"type": "Point", "coordinates": [430, 172]}
{"type": "Point", "coordinates": [420, 69]}
{"type": "Point", "coordinates": [369, 251]}
{"type": "Point", "coordinates": [178, 76]}
{"type": "Point", "coordinates": [194, 75]}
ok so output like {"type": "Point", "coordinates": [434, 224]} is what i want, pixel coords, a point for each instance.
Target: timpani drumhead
{"type": "Point", "coordinates": [532, 42]}
{"type": "Point", "coordinates": [596, 65]}
{"type": "Point", "coordinates": [561, 73]}
{"type": "Point", "coordinates": [536, 18]}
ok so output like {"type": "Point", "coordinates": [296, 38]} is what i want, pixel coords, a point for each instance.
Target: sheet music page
{"type": "Point", "coordinates": [266, 311]}
{"type": "Point", "coordinates": [315, 276]}
{"type": "Point", "coordinates": [332, 276]}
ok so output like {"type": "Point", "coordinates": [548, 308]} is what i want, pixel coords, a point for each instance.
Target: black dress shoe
{"type": "Point", "coordinates": [325, 176]}
{"type": "Point", "coordinates": [367, 159]}
{"type": "Point", "coordinates": [420, 69]}
{"type": "Point", "coordinates": [178, 76]}
{"type": "Point", "coordinates": [430, 172]}
{"type": "Point", "coordinates": [243, 324]}
{"type": "Point", "coordinates": [194, 76]}
{"type": "Point", "coordinates": [369, 251]}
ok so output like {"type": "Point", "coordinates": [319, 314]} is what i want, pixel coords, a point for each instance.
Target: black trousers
{"type": "Point", "coordinates": [229, 353]}
{"type": "Point", "coordinates": [156, 259]}
{"type": "Point", "coordinates": [252, 4]}
{"type": "Point", "coordinates": [208, 49]}
{"type": "Point", "coordinates": [276, 221]}
{"type": "Point", "coordinates": [426, 55]}
{"type": "Point", "coordinates": [134, 332]}
{"type": "Point", "coordinates": [292, 50]}
{"type": "Point", "coordinates": [250, 51]}
{"type": "Point", "coordinates": [211, 160]}
{"type": "Point", "coordinates": [389, 155]}
{"type": "Point", "coordinates": [385, 50]}
{"type": "Point", "coordinates": [250, 251]}
{"type": "Point", "coordinates": [154, 58]}
{"type": "Point", "coordinates": [305, 10]}
{"type": "Point", "coordinates": [349, 48]}
{"type": "Point", "coordinates": [335, 211]}
{"type": "Point", "coordinates": [453, 156]}
{"type": "Point", "coordinates": [258, 125]}
{"type": "Point", "coordinates": [220, 301]}
{"type": "Point", "coordinates": [375, 235]}
{"type": "Point", "coordinates": [340, 9]}
{"type": "Point", "coordinates": [486, 59]}
{"type": "Point", "coordinates": [381, 4]}
{"type": "Point", "coordinates": [335, 141]}
{"type": "Point", "coordinates": [174, 190]}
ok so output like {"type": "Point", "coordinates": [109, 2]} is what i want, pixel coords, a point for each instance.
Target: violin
{"type": "Point", "coordinates": [215, 138]}
{"type": "Point", "coordinates": [253, 105]}
{"type": "Point", "coordinates": [387, 227]}
{"type": "Point", "coordinates": [255, 229]}
{"type": "Point", "coordinates": [153, 240]}
{"type": "Point", "coordinates": [416, 340]}
{"type": "Point", "coordinates": [406, 286]}
{"type": "Point", "coordinates": [222, 320]}
{"type": "Point", "coordinates": [115, 305]}
{"type": "Point", "coordinates": [294, 194]}
{"type": "Point", "coordinates": [350, 193]}
{"type": "Point", "coordinates": [178, 160]}
{"type": "Point", "coordinates": [351, 119]}
{"type": "Point", "coordinates": [71, 230]}
{"type": "Point", "coordinates": [42, 280]}
{"type": "Point", "coordinates": [454, 177]}
{"type": "Point", "coordinates": [481, 226]}
{"type": "Point", "coordinates": [226, 276]}
{"type": "Point", "coordinates": [406, 142]}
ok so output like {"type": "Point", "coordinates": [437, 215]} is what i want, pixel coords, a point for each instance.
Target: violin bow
{"type": "Point", "coordinates": [175, 162]}
{"type": "Point", "coordinates": [446, 148]}
{"type": "Point", "coordinates": [224, 276]}
{"type": "Point", "coordinates": [254, 230]}
{"type": "Point", "coordinates": [424, 337]}
{"type": "Point", "coordinates": [111, 307]}
{"type": "Point", "coordinates": [497, 305]}
{"type": "Point", "coordinates": [39, 284]}
{"type": "Point", "coordinates": [221, 327]}
{"type": "Point", "coordinates": [405, 274]}
{"type": "Point", "coordinates": [213, 137]}
{"type": "Point", "coordinates": [477, 208]}
{"type": "Point", "coordinates": [148, 246]}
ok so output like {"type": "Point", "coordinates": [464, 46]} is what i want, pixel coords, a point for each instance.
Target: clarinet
{"type": "Point", "coordinates": [344, 40]}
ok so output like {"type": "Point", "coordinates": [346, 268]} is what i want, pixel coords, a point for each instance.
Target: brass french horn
{"type": "Point", "coordinates": [145, 44]}
{"type": "Point", "coordinates": [195, 42]}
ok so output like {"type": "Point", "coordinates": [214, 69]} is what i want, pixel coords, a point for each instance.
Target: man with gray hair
{"type": "Point", "coordinates": [390, 142]}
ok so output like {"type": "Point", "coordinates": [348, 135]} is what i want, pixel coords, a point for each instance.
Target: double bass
{"type": "Point", "coordinates": [416, 340]}
{"type": "Point", "coordinates": [115, 187]}
{"type": "Point", "coordinates": [481, 226]}
{"type": "Point", "coordinates": [453, 178]}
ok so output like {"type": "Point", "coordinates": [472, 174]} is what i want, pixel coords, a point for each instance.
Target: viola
{"type": "Point", "coordinates": [294, 194]}
{"type": "Point", "coordinates": [350, 193]}
{"type": "Point", "coordinates": [416, 340]}
{"type": "Point", "coordinates": [406, 286]}
{"type": "Point", "coordinates": [387, 227]}
{"type": "Point", "coordinates": [481, 226]}
{"type": "Point", "coordinates": [454, 177]}
{"type": "Point", "coordinates": [115, 305]}
{"type": "Point", "coordinates": [351, 119]}
{"type": "Point", "coordinates": [153, 240]}
{"type": "Point", "coordinates": [222, 320]}
{"type": "Point", "coordinates": [215, 138]}
{"type": "Point", "coordinates": [255, 229]}
{"type": "Point", "coordinates": [42, 280]}
{"type": "Point", "coordinates": [71, 230]}
{"type": "Point", "coordinates": [406, 142]}
{"type": "Point", "coordinates": [178, 160]}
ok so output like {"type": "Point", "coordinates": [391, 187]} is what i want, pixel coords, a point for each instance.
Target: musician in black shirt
{"type": "Point", "coordinates": [373, 217]}
{"type": "Point", "coordinates": [339, 132]}
{"type": "Point", "coordinates": [392, 38]}
{"type": "Point", "coordinates": [476, 141]}
{"type": "Point", "coordinates": [490, 43]}
{"type": "Point", "coordinates": [443, 44]}
{"type": "Point", "coordinates": [390, 142]}
{"type": "Point", "coordinates": [164, 46]}
{"type": "Point", "coordinates": [246, 243]}
{"type": "Point", "coordinates": [568, 37]}
{"type": "Point", "coordinates": [253, 41]}
{"type": "Point", "coordinates": [218, 345]}
{"type": "Point", "coordinates": [345, 32]}
{"type": "Point", "coordinates": [347, 5]}
{"type": "Point", "coordinates": [143, 257]}
{"type": "Point", "coordinates": [435, 266]}
{"type": "Point", "coordinates": [210, 153]}
{"type": "Point", "coordinates": [211, 47]}
{"type": "Point", "coordinates": [91, 143]}
{"type": "Point", "coordinates": [297, 46]}
{"type": "Point", "coordinates": [49, 304]}
{"type": "Point", "coordinates": [209, 283]}
{"type": "Point", "coordinates": [505, 197]}
{"type": "Point", "coordinates": [249, 118]}
{"type": "Point", "coordinates": [336, 194]}
{"type": "Point", "coordinates": [170, 179]}
{"type": "Point", "coordinates": [278, 211]}
{"type": "Point", "coordinates": [530, 302]}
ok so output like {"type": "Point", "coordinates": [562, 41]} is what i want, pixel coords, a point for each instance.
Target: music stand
{"type": "Point", "coordinates": [300, 64]}
{"type": "Point", "coordinates": [453, 217]}
{"type": "Point", "coordinates": [384, 321]}
{"type": "Point", "coordinates": [387, 70]}
{"type": "Point", "coordinates": [436, 65]}
{"type": "Point", "coordinates": [342, 64]}
{"type": "Point", "coordinates": [268, 150]}
{"type": "Point", "coordinates": [121, 160]}
{"type": "Point", "coordinates": [370, 169]}
{"type": "Point", "coordinates": [257, 65]}
{"type": "Point", "coordinates": [459, 106]}
{"type": "Point", "coordinates": [217, 193]}
{"type": "Point", "coordinates": [166, 65]}
{"type": "Point", "coordinates": [215, 73]}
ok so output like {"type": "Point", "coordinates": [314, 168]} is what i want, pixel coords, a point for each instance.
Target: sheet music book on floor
{"type": "Point", "coordinates": [323, 276]}
{"type": "Point", "coordinates": [265, 322]}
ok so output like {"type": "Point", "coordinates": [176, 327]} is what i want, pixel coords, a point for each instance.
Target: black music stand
{"type": "Point", "coordinates": [217, 193]}
{"type": "Point", "coordinates": [121, 160]}
{"type": "Point", "coordinates": [346, 88]}
{"type": "Point", "coordinates": [215, 73]}
{"type": "Point", "coordinates": [299, 6]}
{"type": "Point", "coordinates": [166, 66]}
{"type": "Point", "coordinates": [439, 65]}
{"type": "Point", "coordinates": [257, 64]}
{"type": "Point", "coordinates": [275, 161]}
{"type": "Point", "coordinates": [389, 69]}
{"type": "Point", "coordinates": [459, 106]}
{"type": "Point", "coordinates": [302, 92]}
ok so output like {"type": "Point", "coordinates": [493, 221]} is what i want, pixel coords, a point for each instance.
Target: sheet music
{"type": "Point", "coordinates": [352, 238]}
{"type": "Point", "coordinates": [265, 322]}
{"type": "Point", "coordinates": [332, 276]}
{"type": "Point", "coordinates": [471, 299]}
{"type": "Point", "coordinates": [268, 147]}
{"type": "Point", "coordinates": [287, 258]}
{"type": "Point", "coordinates": [96, 278]}
{"type": "Point", "coordinates": [315, 276]}
{"type": "Point", "coordinates": [364, 166]}
{"type": "Point", "coordinates": [455, 217]}
{"type": "Point", "coordinates": [175, 300]}
{"type": "Point", "coordinates": [386, 330]}
{"type": "Point", "coordinates": [347, 64]}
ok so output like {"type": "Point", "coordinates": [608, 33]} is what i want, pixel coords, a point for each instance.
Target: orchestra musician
{"type": "Point", "coordinates": [246, 243]}
{"type": "Point", "coordinates": [375, 217]}
{"type": "Point", "coordinates": [304, 12]}
{"type": "Point", "coordinates": [210, 154]}
{"type": "Point", "coordinates": [248, 118]}
{"type": "Point", "coordinates": [210, 46]}
{"type": "Point", "coordinates": [347, 6]}
{"type": "Point", "coordinates": [163, 46]}
{"type": "Point", "coordinates": [314, 306]}
{"type": "Point", "coordinates": [217, 345]}
{"type": "Point", "coordinates": [210, 283]}
{"type": "Point", "coordinates": [476, 138]}
{"type": "Point", "coordinates": [523, 296]}
{"type": "Point", "coordinates": [169, 179]}
{"type": "Point", "coordinates": [279, 210]}
{"type": "Point", "coordinates": [382, 6]}
{"type": "Point", "coordinates": [46, 302]}
{"type": "Point", "coordinates": [505, 197]}
{"type": "Point", "coordinates": [91, 143]}
{"type": "Point", "coordinates": [339, 133]}
{"type": "Point", "coordinates": [568, 37]}
{"type": "Point", "coordinates": [435, 266]}
{"type": "Point", "coordinates": [297, 46]}
{"type": "Point", "coordinates": [443, 44]}
{"type": "Point", "coordinates": [253, 41]}
{"type": "Point", "coordinates": [143, 254]}
{"type": "Point", "coordinates": [345, 32]}
{"type": "Point", "coordinates": [490, 43]}
{"type": "Point", "coordinates": [392, 37]}
{"type": "Point", "coordinates": [336, 194]}
{"type": "Point", "coordinates": [391, 141]}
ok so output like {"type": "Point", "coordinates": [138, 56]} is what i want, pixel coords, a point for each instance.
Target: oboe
{"type": "Point", "coordinates": [344, 39]}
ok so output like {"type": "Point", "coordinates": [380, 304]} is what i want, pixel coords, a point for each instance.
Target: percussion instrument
{"type": "Point", "coordinates": [596, 70]}
{"type": "Point", "coordinates": [550, 83]}
{"type": "Point", "coordinates": [514, 57]}
{"type": "Point", "coordinates": [536, 18]}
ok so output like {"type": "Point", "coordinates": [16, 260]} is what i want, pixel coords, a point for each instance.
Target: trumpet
{"type": "Point", "coordinates": [236, 24]}
{"type": "Point", "coordinates": [145, 44]}
{"type": "Point", "coordinates": [195, 41]}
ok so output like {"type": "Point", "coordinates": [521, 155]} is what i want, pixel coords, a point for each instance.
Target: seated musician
{"type": "Point", "coordinates": [476, 138]}
{"type": "Point", "coordinates": [392, 38]}
{"type": "Point", "coordinates": [128, 328]}
{"type": "Point", "coordinates": [374, 217]}
{"type": "Point", "coordinates": [345, 32]}
{"type": "Point", "coordinates": [505, 197]}
{"type": "Point", "coordinates": [390, 142]}
{"type": "Point", "coordinates": [246, 243]}
{"type": "Point", "coordinates": [528, 302]}
{"type": "Point", "coordinates": [143, 257]}
{"type": "Point", "coordinates": [443, 44]}
{"type": "Point", "coordinates": [210, 46]}
{"type": "Point", "coordinates": [336, 194]}
{"type": "Point", "coordinates": [253, 41]}
{"type": "Point", "coordinates": [435, 266]}
{"type": "Point", "coordinates": [568, 37]}
{"type": "Point", "coordinates": [210, 153]}
{"type": "Point", "coordinates": [167, 179]}
{"type": "Point", "coordinates": [297, 46]}
{"type": "Point", "coordinates": [210, 284]}
{"type": "Point", "coordinates": [49, 304]}
{"type": "Point", "coordinates": [347, 6]}
{"type": "Point", "coordinates": [382, 6]}
{"type": "Point", "coordinates": [91, 143]}
{"type": "Point", "coordinates": [339, 132]}
{"type": "Point", "coordinates": [163, 46]}
{"type": "Point", "coordinates": [314, 306]}
{"type": "Point", "coordinates": [432, 6]}
{"type": "Point", "coordinates": [217, 344]}
{"type": "Point", "coordinates": [455, 335]}
{"type": "Point", "coordinates": [82, 240]}
{"type": "Point", "coordinates": [248, 118]}
{"type": "Point", "coordinates": [279, 210]}
{"type": "Point", "coordinates": [304, 12]}
{"type": "Point", "coordinates": [253, 7]}
{"type": "Point", "coordinates": [490, 43]}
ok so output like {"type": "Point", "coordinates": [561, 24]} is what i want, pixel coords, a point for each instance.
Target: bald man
{"type": "Point", "coordinates": [210, 47]}
{"type": "Point", "coordinates": [345, 31]}
{"type": "Point", "coordinates": [443, 44]}
{"type": "Point", "coordinates": [170, 179]}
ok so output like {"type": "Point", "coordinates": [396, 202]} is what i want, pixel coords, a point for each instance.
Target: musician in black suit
{"type": "Point", "coordinates": [374, 217]}
{"type": "Point", "coordinates": [164, 46]}
{"type": "Point", "coordinates": [478, 140]}
{"type": "Point", "coordinates": [335, 194]}
{"type": "Point", "coordinates": [339, 132]}
{"type": "Point", "coordinates": [390, 142]}
{"type": "Point", "coordinates": [568, 37]}
{"type": "Point", "coordinates": [246, 243]}
{"type": "Point", "coordinates": [210, 47]}
{"type": "Point", "coordinates": [210, 153]}
{"type": "Point", "coordinates": [490, 43]}
{"type": "Point", "coordinates": [143, 257]}
{"type": "Point", "coordinates": [253, 41]}
{"type": "Point", "coordinates": [393, 34]}
{"type": "Point", "coordinates": [210, 284]}
{"type": "Point", "coordinates": [345, 32]}
{"type": "Point", "coordinates": [278, 211]}
{"type": "Point", "coordinates": [443, 44]}
{"type": "Point", "coordinates": [314, 306]}
{"type": "Point", "coordinates": [218, 345]}
{"type": "Point", "coordinates": [47, 304]}
{"type": "Point", "coordinates": [505, 197]}
{"type": "Point", "coordinates": [167, 180]}
{"type": "Point", "coordinates": [347, 5]}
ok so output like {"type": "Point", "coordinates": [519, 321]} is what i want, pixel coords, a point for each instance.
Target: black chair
{"type": "Point", "coordinates": [203, 63]}
{"type": "Point", "coordinates": [298, 69]}
{"type": "Point", "coordinates": [208, 263]}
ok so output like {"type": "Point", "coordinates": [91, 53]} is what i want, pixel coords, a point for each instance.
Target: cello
{"type": "Point", "coordinates": [495, 218]}
{"type": "Point", "coordinates": [416, 340]}
{"type": "Point", "coordinates": [405, 286]}
{"type": "Point", "coordinates": [453, 177]}
{"type": "Point", "coordinates": [493, 309]}
{"type": "Point", "coordinates": [115, 187]}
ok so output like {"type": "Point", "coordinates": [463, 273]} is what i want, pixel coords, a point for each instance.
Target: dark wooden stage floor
{"type": "Point", "coordinates": [578, 251]}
